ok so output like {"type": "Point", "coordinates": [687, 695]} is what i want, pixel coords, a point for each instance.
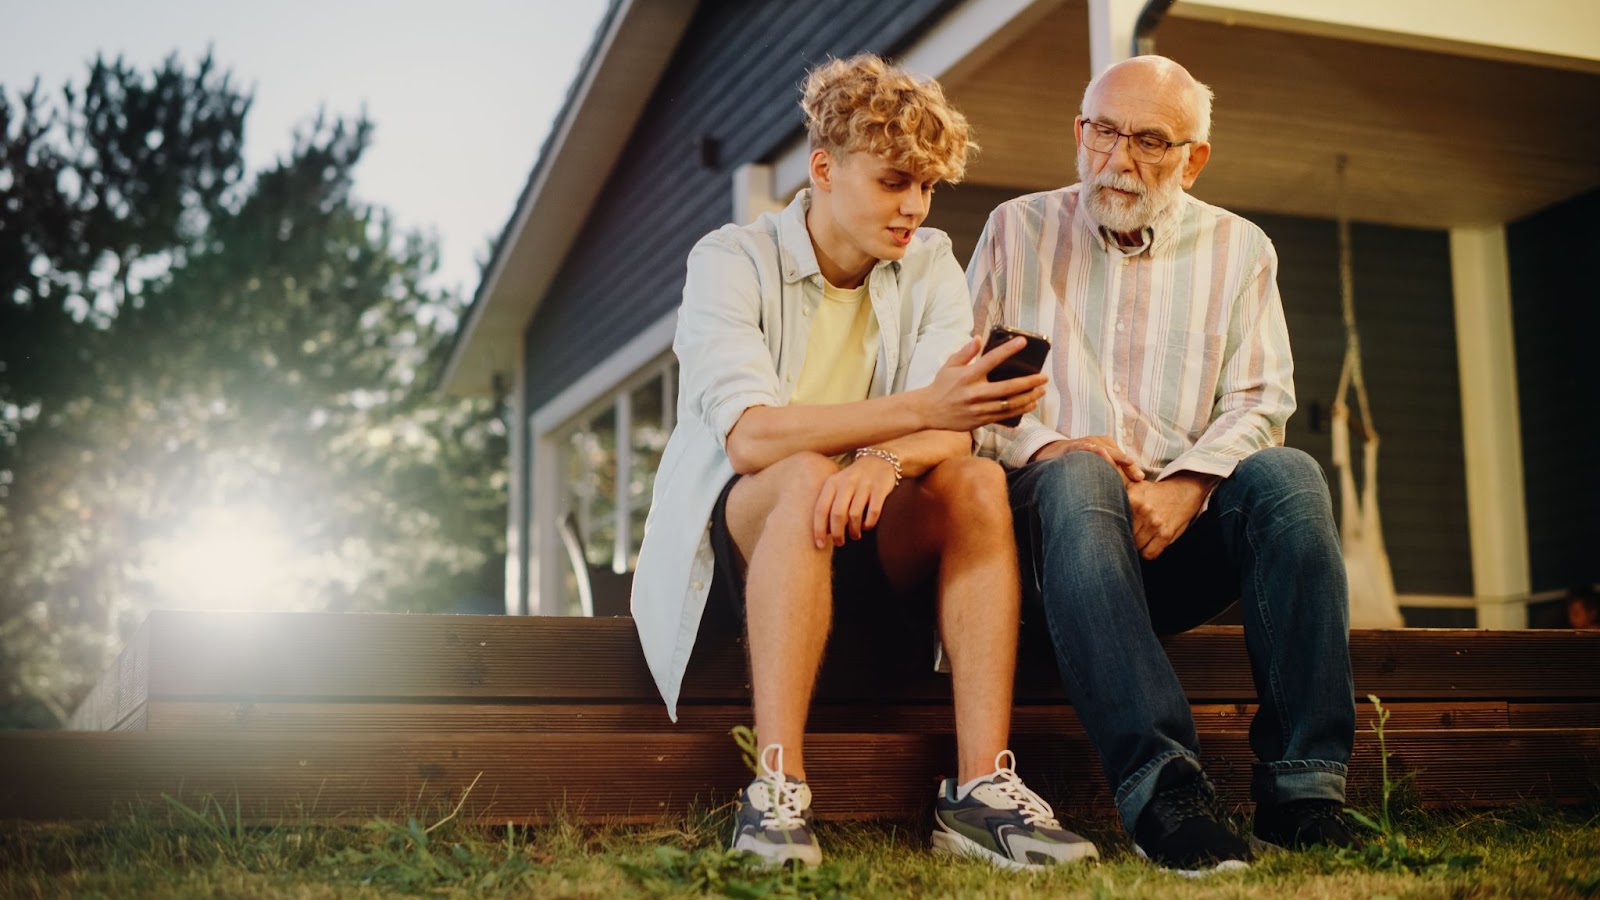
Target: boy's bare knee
{"type": "Point", "coordinates": [970, 487]}
{"type": "Point", "coordinates": [799, 477]}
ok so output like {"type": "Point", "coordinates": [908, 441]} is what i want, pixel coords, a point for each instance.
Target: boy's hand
{"type": "Point", "coordinates": [851, 501]}
{"type": "Point", "coordinates": [961, 397]}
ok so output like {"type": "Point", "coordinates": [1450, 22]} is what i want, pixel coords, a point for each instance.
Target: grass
{"type": "Point", "coordinates": [186, 851]}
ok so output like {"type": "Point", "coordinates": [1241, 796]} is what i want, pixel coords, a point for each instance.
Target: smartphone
{"type": "Point", "coordinates": [1027, 361]}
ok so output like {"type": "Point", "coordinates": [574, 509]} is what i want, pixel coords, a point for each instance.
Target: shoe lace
{"type": "Point", "coordinates": [1328, 810]}
{"type": "Point", "coordinates": [1190, 800]}
{"type": "Point", "coordinates": [1006, 781]}
{"type": "Point", "coordinates": [1323, 811]}
{"type": "Point", "coordinates": [784, 803]}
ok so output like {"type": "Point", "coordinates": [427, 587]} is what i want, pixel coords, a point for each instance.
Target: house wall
{"type": "Point", "coordinates": [1555, 306]}
{"type": "Point", "coordinates": [736, 81]}
{"type": "Point", "coordinates": [1405, 313]}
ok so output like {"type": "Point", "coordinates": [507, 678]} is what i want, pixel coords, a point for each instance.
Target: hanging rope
{"type": "Point", "coordinates": [1366, 560]}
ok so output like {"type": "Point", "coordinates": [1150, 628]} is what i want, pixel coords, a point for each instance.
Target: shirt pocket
{"type": "Point", "coordinates": [1191, 367]}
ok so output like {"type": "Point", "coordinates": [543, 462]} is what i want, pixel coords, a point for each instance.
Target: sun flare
{"type": "Point", "coordinates": [225, 558]}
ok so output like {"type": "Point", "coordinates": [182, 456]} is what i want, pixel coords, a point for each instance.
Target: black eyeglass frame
{"type": "Point", "coordinates": [1089, 125]}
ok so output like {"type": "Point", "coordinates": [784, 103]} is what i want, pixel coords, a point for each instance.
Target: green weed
{"type": "Point", "coordinates": [1388, 849]}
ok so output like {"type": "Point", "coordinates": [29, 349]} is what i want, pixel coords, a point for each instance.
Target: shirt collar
{"type": "Point", "coordinates": [794, 242]}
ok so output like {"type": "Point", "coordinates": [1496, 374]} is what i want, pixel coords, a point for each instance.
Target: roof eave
{"type": "Point", "coordinates": [632, 47]}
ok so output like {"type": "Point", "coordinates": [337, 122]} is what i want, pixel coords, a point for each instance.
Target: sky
{"type": "Point", "coordinates": [461, 94]}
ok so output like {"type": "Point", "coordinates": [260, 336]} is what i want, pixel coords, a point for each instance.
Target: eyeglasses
{"type": "Point", "coordinates": [1146, 148]}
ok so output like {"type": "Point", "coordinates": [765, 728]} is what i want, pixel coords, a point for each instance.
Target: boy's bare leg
{"type": "Point", "coordinates": [788, 597]}
{"type": "Point", "coordinates": [956, 520]}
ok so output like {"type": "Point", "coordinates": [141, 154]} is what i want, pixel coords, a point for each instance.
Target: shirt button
{"type": "Point", "coordinates": [1117, 388]}
{"type": "Point", "coordinates": [806, 311]}
{"type": "Point", "coordinates": [789, 379]}
{"type": "Point", "coordinates": [698, 585]}
{"type": "Point", "coordinates": [1119, 326]}
{"type": "Point", "coordinates": [1126, 260]}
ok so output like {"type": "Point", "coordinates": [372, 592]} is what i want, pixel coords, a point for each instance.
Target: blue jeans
{"type": "Point", "coordinates": [1267, 540]}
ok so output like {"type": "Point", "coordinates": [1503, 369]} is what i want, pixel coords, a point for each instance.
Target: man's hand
{"type": "Point", "coordinates": [961, 397]}
{"type": "Point", "coordinates": [851, 501]}
{"type": "Point", "coordinates": [1100, 445]}
{"type": "Point", "coordinates": [1162, 510]}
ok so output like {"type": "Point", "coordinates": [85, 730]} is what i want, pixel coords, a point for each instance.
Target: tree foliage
{"type": "Point", "coordinates": [178, 334]}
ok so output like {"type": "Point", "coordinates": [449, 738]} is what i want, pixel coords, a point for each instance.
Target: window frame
{"type": "Point", "coordinates": [610, 383]}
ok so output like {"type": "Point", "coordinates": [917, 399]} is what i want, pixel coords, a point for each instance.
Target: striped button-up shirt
{"type": "Point", "coordinates": [1177, 350]}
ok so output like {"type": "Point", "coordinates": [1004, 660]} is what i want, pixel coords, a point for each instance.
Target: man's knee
{"type": "Point", "coordinates": [1284, 494]}
{"type": "Point", "coordinates": [1284, 466]}
{"type": "Point", "coordinates": [1079, 482]}
{"type": "Point", "coordinates": [1284, 476]}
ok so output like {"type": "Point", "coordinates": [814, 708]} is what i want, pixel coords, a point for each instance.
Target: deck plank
{"type": "Point", "coordinates": [527, 778]}
{"type": "Point", "coordinates": [203, 717]}
{"type": "Point", "coordinates": [304, 656]}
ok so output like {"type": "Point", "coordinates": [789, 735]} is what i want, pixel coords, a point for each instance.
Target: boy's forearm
{"type": "Point", "coordinates": [766, 434]}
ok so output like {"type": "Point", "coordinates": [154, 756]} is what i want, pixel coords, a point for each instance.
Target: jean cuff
{"type": "Point", "coordinates": [1298, 779]}
{"type": "Point", "coordinates": [1134, 793]}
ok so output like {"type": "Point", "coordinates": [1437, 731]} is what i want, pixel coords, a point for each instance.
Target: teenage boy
{"type": "Point", "coordinates": [822, 463]}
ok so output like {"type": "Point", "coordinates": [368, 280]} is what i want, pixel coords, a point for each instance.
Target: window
{"type": "Point", "coordinates": [608, 456]}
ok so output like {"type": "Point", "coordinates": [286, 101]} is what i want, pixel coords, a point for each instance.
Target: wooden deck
{"type": "Point", "coordinates": [342, 717]}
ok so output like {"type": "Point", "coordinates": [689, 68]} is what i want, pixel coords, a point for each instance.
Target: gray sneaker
{"type": "Point", "coordinates": [1000, 820]}
{"type": "Point", "coordinates": [771, 817]}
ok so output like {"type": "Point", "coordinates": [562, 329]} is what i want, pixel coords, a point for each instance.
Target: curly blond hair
{"type": "Point", "coordinates": [865, 104]}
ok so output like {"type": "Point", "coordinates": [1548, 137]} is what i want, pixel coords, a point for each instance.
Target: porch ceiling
{"type": "Point", "coordinates": [1434, 140]}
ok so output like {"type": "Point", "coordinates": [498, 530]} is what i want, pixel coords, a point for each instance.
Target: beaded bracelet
{"type": "Point", "coordinates": [884, 455]}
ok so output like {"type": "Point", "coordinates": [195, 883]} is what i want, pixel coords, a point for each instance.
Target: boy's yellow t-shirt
{"type": "Point", "coordinates": [841, 350]}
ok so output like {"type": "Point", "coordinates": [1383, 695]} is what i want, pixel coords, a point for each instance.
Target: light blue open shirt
{"type": "Point", "coordinates": [741, 342]}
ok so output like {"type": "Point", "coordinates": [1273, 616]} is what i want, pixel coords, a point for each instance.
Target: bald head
{"type": "Point", "coordinates": [1161, 87]}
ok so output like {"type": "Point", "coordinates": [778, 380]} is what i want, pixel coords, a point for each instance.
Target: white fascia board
{"type": "Point", "coordinates": [1563, 34]}
{"type": "Point", "coordinates": [966, 38]}
{"type": "Point", "coordinates": [608, 101]}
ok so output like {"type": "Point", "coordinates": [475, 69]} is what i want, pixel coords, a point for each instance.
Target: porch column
{"type": "Point", "coordinates": [753, 193]}
{"type": "Point", "coordinates": [1111, 24]}
{"type": "Point", "coordinates": [518, 495]}
{"type": "Point", "coordinates": [1491, 426]}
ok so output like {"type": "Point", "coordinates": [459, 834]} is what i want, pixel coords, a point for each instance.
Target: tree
{"type": "Point", "coordinates": [178, 336]}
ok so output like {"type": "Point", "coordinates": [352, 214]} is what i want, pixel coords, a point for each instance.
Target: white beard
{"type": "Point", "coordinates": [1117, 213]}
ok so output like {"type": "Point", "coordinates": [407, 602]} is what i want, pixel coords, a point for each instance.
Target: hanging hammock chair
{"type": "Point", "coordinates": [1366, 562]}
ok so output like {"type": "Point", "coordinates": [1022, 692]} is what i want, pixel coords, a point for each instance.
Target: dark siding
{"type": "Point", "coordinates": [735, 78]}
{"type": "Point", "coordinates": [1555, 303]}
{"type": "Point", "coordinates": [1405, 310]}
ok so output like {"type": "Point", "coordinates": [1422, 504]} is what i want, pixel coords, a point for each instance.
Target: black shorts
{"type": "Point", "coordinates": [863, 596]}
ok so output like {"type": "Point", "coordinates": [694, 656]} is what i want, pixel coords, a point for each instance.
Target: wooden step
{"type": "Point", "coordinates": [347, 716]}
{"type": "Point", "coordinates": [305, 657]}
{"type": "Point", "coordinates": [248, 717]}
{"type": "Point", "coordinates": [639, 778]}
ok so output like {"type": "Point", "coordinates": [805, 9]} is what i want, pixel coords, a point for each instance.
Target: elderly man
{"type": "Point", "coordinates": [1150, 490]}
